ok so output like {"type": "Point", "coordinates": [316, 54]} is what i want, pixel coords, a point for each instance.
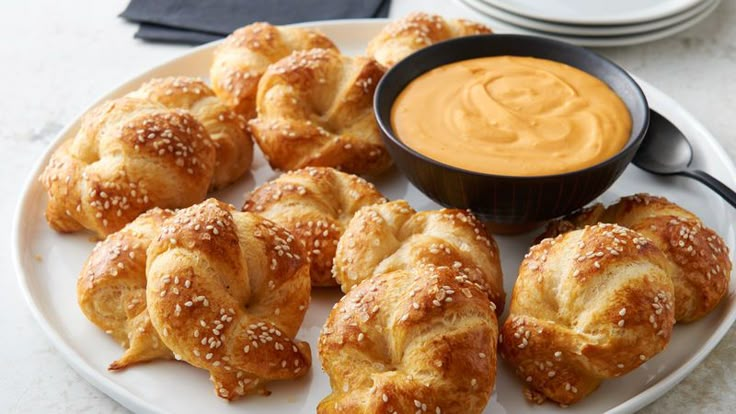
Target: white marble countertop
{"type": "Point", "coordinates": [57, 57]}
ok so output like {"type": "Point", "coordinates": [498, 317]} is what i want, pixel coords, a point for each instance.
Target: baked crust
{"type": "Point", "coordinates": [128, 156]}
{"type": "Point", "coordinates": [315, 108]}
{"type": "Point", "coordinates": [111, 289]}
{"type": "Point", "coordinates": [227, 129]}
{"type": "Point", "coordinates": [698, 258]}
{"type": "Point", "coordinates": [242, 58]}
{"type": "Point", "coordinates": [225, 300]}
{"type": "Point", "coordinates": [315, 204]}
{"type": "Point", "coordinates": [416, 31]}
{"type": "Point", "coordinates": [588, 305]}
{"type": "Point", "coordinates": [392, 236]}
{"type": "Point", "coordinates": [410, 340]}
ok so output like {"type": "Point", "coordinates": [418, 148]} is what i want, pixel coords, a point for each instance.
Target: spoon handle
{"type": "Point", "coordinates": [712, 182]}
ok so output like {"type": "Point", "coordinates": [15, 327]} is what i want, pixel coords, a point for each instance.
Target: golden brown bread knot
{"type": "Point", "coordinates": [111, 289]}
{"type": "Point", "coordinates": [243, 56]}
{"type": "Point", "coordinates": [698, 259]}
{"type": "Point", "coordinates": [238, 303]}
{"type": "Point", "coordinates": [416, 31]}
{"type": "Point", "coordinates": [315, 108]}
{"type": "Point", "coordinates": [588, 305]}
{"type": "Point", "coordinates": [410, 340]}
{"type": "Point", "coordinates": [128, 156]}
{"type": "Point", "coordinates": [227, 129]}
{"type": "Point", "coordinates": [392, 236]}
{"type": "Point", "coordinates": [314, 204]}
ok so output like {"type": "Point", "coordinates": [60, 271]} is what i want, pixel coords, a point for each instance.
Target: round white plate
{"type": "Point", "coordinates": [485, 7]}
{"type": "Point", "coordinates": [501, 26]}
{"type": "Point", "coordinates": [48, 263]}
{"type": "Point", "coordinates": [595, 12]}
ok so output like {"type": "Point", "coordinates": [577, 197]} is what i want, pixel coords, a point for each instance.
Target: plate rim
{"type": "Point", "coordinates": [131, 401]}
{"type": "Point", "coordinates": [594, 21]}
{"type": "Point", "coordinates": [600, 41]}
{"type": "Point", "coordinates": [525, 22]}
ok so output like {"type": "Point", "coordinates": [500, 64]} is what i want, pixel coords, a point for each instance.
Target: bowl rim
{"type": "Point", "coordinates": [387, 130]}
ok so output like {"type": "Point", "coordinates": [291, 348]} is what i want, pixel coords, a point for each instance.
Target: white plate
{"type": "Point", "coordinates": [485, 7]}
{"type": "Point", "coordinates": [48, 264]}
{"type": "Point", "coordinates": [595, 12]}
{"type": "Point", "coordinates": [594, 41]}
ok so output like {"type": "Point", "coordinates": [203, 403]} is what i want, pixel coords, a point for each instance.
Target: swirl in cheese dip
{"type": "Point", "coordinates": [509, 115]}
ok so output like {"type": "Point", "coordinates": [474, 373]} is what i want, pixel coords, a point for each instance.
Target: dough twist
{"type": "Point", "coordinates": [111, 289]}
{"type": "Point", "coordinates": [588, 305]}
{"type": "Point", "coordinates": [128, 156]}
{"type": "Point", "coordinates": [241, 59]}
{"type": "Point", "coordinates": [243, 289]}
{"type": "Point", "coordinates": [698, 258]}
{"type": "Point", "coordinates": [392, 236]}
{"type": "Point", "coordinates": [315, 108]}
{"type": "Point", "coordinates": [410, 340]}
{"type": "Point", "coordinates": [227, 129]}
{"type": "Point", "coordinates": [314, 204]}
{"type": "Point", "coordinates": [416, 31]}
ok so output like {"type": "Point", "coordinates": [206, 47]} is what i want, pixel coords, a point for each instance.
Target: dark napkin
{"type": "Point", "coordinates": [201, 21]}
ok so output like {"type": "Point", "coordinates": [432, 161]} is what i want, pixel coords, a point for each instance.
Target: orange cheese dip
{"type": "Point", "coordinates": [510, 115]}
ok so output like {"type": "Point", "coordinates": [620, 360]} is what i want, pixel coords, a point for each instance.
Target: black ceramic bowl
{"type": "Point", "coordinates": [510, 204]}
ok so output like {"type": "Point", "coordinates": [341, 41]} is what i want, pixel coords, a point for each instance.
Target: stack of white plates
{"type": "Point", "coordinates": [595, 22]}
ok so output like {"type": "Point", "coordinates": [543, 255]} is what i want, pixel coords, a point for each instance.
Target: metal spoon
{"type": "Point", "coordinates": [666, 151]}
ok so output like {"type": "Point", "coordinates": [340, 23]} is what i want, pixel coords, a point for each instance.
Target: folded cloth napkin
{"type": "Point", "coordinates": [201, 21]}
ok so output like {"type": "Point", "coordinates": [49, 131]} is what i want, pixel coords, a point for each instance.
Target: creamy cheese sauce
{"type": "Point", "coordinates": [510, 115]}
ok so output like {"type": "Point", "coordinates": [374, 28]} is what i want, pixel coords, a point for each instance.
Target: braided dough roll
{"type": "Point", "coordinates": [588, 305]}
{"type": "Point", "coordinates": [410, 340]}
{"type": "Point", "coordinates": [315, 108]}
{"type": "Point", "coordinates": [128, 156]}
{"type": "Point", "coordinates": [698, 258]}
{"type": "Point", "coordinates": [238, 303]}
{"type": "Point", "coordinates": [314, 204]}
{"type": "Point", "coordinates": [241, 59]}
{"type": "Point", "coordinates": [227, 129]}
{"type": "Point", "coordinates": [416, 31]}
{"type": "Point", "coordinates": [392, 236]}
{"type": "Point", "coordinates": [111, 289]}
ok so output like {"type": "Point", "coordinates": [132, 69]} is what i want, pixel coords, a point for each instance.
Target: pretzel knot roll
{"type": "Point", "coordinates": [391, 236]}
{"type": "Point", "coordinates": [227, 129]}
{"type": "Point", "coordinates": [224, 300]}
{"type": "Point", "coordinates": [698, 258]}
{"type": "Point", "coordinates": [315, 108]}
{"type": "Point", "coordinates": [241, 59]}
{"type": "Point", "coordinates": [128, 156]}
{"type": "Point", "coordinates": [314, 204]}
{"type": "Point", "coordinates": [111, 289]}
{"type": "Point", "coordinates": [410, 340]}
{"type": "Point", "coordinates": [588, 305]}
{"type": "Point", "coordinates": [405, 36]}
